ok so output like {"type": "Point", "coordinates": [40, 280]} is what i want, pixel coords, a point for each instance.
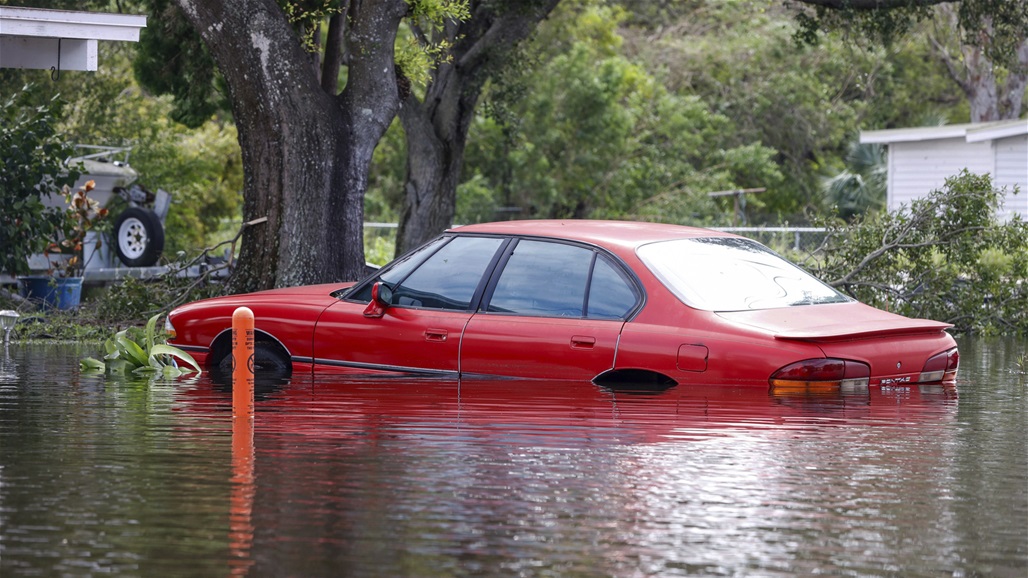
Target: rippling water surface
{"type": "Point", "coordinates": [400, 477]}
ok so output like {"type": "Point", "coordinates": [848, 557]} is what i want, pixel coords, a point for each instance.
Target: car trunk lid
{"type": "Point", "coordinates": [835, 322]}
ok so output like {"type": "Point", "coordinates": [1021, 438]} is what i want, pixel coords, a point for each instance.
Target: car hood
{"type": "Point", "coordinates": [832, 322]}
{"type": "Point", "coordinates": [310, 294]}
{"type": "Point", "coordinates": [322, 290]}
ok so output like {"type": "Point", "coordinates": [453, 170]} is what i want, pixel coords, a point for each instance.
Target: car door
{"type": "Point", "coordinates": [554, 311]}
{"type": "Point", "coordinates": [432, 295]}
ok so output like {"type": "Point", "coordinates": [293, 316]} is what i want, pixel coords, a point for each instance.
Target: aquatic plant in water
{"type": "Point", "coordinates": [136, 350]}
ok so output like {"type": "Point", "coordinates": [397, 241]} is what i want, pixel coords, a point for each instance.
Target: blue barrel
{"type": "Point", "coordinates": [59, 292]}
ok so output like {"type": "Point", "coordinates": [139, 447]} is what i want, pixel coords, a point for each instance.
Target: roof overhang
{"type": "Point", "coordinates": [64, 40]}
{"type": "Point", "coordinates": [976, 132]}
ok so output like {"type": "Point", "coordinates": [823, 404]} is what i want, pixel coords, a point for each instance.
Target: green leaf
{"type": "Point", "coordinates": [131, 350]}
{"type": "Point", "coordinates": [176, 352]}
{"type": "Point", "coordinates": [118, 366]}
{"type": "Point", "coordinates": [90, 364]}
{"type": "Point", "coordinates": [151, 332]}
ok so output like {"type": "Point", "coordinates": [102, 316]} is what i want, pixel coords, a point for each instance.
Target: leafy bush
{"type": "Point", "coordinates": [945, 257]}
{"type": "Point", "coordinates": [31, 166]}
{"type": "Point", "coordinates": [133, 298]}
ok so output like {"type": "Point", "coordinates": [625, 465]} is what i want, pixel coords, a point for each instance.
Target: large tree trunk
{"type": "Point", "coordinates": [305, 152]}
{"type": "Point", "coordinates": [975, 72]}
{"type": "Point", "coordinates": [436, 133]}
{"type": "Point", "coordinates": [437, 127]}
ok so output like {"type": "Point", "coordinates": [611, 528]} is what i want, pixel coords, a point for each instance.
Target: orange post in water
{"type": "Point", "coordinates": [242, 362]}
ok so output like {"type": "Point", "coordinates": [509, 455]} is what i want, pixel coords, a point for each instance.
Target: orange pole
{"type": "Point", "coordinates": [242, 363]}
{"type": "Point", "coordinates": [241, 528]}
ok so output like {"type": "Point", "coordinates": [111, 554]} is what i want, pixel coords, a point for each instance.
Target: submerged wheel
{"type": "Point", "coordinates": [269, 360]}
{"type": "Point", "coordinates": [138, 237]}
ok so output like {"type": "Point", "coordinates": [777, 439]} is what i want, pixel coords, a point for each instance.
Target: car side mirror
{"type": "Point", "coordinates": [381, 299]}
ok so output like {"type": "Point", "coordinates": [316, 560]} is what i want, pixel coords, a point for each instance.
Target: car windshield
{"type": "Point", "coordinates": [733, 274]}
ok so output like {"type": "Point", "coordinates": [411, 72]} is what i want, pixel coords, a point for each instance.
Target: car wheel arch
{"type": "Point", "coordinates": [264, 344]}
{"type": "Point", "coordinates": [634, 379]}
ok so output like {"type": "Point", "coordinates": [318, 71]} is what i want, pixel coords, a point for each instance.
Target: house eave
{"type": "Point", "coordinates": [972, 132]}
{"type": "Point", "coordinates": [37, 38]}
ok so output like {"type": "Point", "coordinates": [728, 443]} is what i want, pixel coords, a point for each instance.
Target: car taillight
{"type": "Point", "coordinates": [941, 367]}
{"type": "Point", "coordinates": [821, 375]}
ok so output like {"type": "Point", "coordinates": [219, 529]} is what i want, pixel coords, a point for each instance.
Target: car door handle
{"type": "Point", "coordinates": [582, 342]}
{"type": "Point", "coordinates": [435, 335]}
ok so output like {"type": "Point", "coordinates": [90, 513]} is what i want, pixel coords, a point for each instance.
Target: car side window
{"type": "Point", "coordinates": [448, 279]}
{"type": "Point", "coordinates": [544, 279]}
{"type": "Point", "coordinates": [398, 270]}
{"type": "Point", "coordinates": [611, 294]}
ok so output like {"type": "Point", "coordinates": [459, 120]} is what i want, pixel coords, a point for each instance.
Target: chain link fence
{"type": "Point", "coordinates": [785, 240]}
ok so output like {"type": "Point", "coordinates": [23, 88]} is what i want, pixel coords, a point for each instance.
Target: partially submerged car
{"type": "Point", "coordinates": [587, 300]}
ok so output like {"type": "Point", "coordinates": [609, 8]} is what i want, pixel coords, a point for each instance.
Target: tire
{"type": "Point", "coordinates": [269, 361]}
{"type": "Point", "coordinates": [138, 237]}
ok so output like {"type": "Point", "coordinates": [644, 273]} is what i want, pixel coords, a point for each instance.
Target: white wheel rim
{"type": "Point", "coordinates": [132, 238]}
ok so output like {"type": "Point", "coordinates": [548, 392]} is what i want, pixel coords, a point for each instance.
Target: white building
{"type": "Point", "coordinates": [60, 40]}
{"type": "Point", "coordinates": [921, 159]}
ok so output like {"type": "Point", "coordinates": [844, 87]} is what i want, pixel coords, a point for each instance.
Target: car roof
{"type": "Point", "coordinates": [603, 233]}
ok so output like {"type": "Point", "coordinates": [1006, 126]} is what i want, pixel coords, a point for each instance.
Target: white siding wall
{"type": "Point", "coordinates": [917, 168]}
{"type": "Point", "coordinates": [1011, 171]}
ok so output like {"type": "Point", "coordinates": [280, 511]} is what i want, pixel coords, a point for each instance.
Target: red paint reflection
{"type": "Point", "coordinates": [304, 418]}
{"type": "Point", "coordinates": [340, 407]}
{"type": "Point", "coordinates": [241, 528]}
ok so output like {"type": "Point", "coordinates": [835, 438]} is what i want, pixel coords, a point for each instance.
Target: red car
{"type": "Point", "coordinates": [612, 302]}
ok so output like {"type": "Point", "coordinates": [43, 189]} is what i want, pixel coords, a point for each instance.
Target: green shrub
{"type": "Point", "coordinates": [31, 165]}
{"type": "Point", "coordinates": [945, 257]}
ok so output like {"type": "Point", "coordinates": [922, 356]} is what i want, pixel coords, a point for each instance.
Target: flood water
{"type": "Point", "coordinates": [400, 477]}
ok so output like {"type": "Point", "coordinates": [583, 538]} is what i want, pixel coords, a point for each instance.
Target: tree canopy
{"type": "Point", "coordinates": [636, 109]}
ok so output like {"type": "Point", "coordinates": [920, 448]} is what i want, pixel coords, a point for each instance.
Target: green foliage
{"type": "Point", "coordinates": [945, 257]}
{"type": "Point", "coordinates": [141, 350]}
{"type": "Point", "coordinates": [133, 298]}
{"type": "Point", "coordinates": [306, 17]}
{"type": "Point", "coordinates": [171, 59]}
{"type": "Point", "coordinates": [31, 166]}
{"type": "Point", "coordinates": [803, 103]}
{"type": "Point", "coordinates": [58, 325]}
{"type": "Point", "coordinates": [592, 134]}
{"type": "Point", "coordinates": [422, 43]}
{"type": "Point", "coordinates": [862, 186]}
{"type": "Point", "coordinates": [201, 167]}
{"type": "Point", "coordinates": [1005, 21]}
{"type": "Point", "coordinates": [883, 25]}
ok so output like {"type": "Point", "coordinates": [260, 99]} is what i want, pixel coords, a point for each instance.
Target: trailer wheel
{"type": "Point", "coordinates": [139, 237]}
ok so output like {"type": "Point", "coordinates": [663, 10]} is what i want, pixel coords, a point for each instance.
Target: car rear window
{"type": "Point", "coordinates": [733, 274]}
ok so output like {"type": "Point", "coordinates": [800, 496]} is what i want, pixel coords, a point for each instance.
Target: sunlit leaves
{"type": "Point", "coordinates": [944, 257]}
{"type": "Point", "coordinates": [588, 132]}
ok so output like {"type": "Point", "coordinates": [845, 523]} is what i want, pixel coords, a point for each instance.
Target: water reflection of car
{"type": "Point", "coordinates": [605, 301]}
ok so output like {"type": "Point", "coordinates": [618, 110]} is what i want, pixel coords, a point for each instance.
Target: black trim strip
{"type": "Point", "coordinates": [376, 367]}
{"type": "Point", "coordinates": [197, 348]}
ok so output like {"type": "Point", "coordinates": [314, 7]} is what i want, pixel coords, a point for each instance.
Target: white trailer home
{"type": "Point", "coordinates": [921, 159]}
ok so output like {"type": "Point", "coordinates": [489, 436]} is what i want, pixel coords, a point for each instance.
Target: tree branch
{"type": "Point", "coordinates": [334, 42]}
{"type": "Point", "coordinates": [867, 5]}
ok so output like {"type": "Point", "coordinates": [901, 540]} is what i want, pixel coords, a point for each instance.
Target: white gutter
{"type": "Point", "coordinates": [60, 39]}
